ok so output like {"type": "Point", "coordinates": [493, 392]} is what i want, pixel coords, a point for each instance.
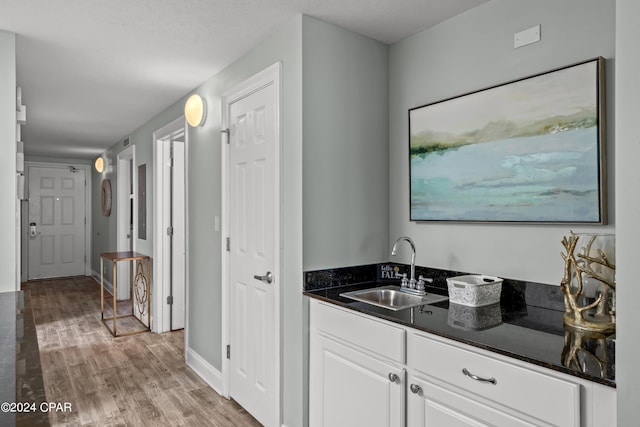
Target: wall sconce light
{"type": "Point", "coordinates": [195, 110]}
{"type": "Point", "coordinates": [102, 164]}
{"type": "Point", "coordinates": [99, 164]}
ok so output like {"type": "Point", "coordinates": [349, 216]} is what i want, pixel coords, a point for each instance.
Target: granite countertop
{"type": "Point", "coordinates": [526, 325]}
{"type": "Point", "coordinates": [20, 371]}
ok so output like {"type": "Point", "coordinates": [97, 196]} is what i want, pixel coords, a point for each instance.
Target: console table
{"type": "Point", "coordinates": [140, 292]}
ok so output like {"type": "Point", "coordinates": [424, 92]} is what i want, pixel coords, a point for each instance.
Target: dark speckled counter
{"type": "Point", "coordinates": [20, 372]}
{"type": "Point", "coordinates": [526, 325]}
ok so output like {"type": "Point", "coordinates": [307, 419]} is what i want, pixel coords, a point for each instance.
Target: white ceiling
{"type": "Point", "coordinates": [93, 71]}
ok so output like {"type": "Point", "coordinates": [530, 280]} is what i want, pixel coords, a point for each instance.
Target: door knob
{"type": "Point", "coordinates": [415, 389]}
{"type": "Point", "coordinates": [267, 278]}
{"type": "Point", "coordinates": [33, 231]}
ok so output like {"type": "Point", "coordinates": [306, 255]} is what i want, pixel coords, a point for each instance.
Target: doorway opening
{"type": "Point", "coordinates": [170, 226]}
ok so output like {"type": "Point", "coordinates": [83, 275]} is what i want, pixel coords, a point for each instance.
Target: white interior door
{"type": "Point", "coordinates": [253, 247]}
{"type": "Point", "coordinates": [56, 222]}
{"type": "Point", "coordinates": [125, 217]}
{"type": "Point", "coordinates": [176, 238]}
{"type": "Point", "coordinates": [170, 226]}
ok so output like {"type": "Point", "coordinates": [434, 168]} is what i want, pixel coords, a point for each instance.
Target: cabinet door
{"type": "Point", "coordinates": [350, 388]}
{"type": "Point", "coordinates": [431, 405]}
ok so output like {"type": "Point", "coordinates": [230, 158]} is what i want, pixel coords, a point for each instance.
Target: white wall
{"type": "Point", "coordinates": [473, 51]}
{"type": "Point", "coordinates": [628, 208]}
{"type": "Point", "coordinates": [8, 216]}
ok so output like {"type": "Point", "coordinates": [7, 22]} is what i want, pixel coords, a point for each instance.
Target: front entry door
{"type": "Point", "coordinates": [253, 218]}
{"type": "Point", "coordinates": [56, 222]}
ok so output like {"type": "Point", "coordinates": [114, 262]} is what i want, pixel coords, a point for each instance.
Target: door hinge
{"type": "Point", "coordinates": [170, 300]}
{"type": "Point", "coordinates": [226, 131]}
{"type": "Point", "coordinates": [228, 351]}
{"type": "Point", "coordinates": [169, 231]}
{"type": "Point", "coordinates": [228, 244]}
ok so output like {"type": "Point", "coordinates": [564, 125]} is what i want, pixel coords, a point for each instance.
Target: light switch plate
{"type": "Point", "coordinates": [526, 37]}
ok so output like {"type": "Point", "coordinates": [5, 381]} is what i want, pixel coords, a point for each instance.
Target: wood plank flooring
{"type": "Point", "coordinates": [138, 380]}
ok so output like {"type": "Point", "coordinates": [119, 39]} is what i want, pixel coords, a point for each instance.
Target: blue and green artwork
{"type": "Point", "coordinates": [527, 151]}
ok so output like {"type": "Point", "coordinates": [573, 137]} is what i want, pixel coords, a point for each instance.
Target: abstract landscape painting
{"type": "Point", "coordinates": [527, 151]}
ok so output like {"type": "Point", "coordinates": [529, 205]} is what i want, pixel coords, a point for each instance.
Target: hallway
{"type": "Point", "coordinates": [137, 380]}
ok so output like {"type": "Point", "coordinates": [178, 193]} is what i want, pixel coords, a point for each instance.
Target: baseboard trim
{"type": "Point", "coordinates": [204, 369]}
{"type": "Point", "coordinates": [108, 286]}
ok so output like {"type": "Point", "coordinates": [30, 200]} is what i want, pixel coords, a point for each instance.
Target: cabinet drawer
{"type": "Point", "coordinates": [357, 330]}
{"type": "Point", "coordinates": [543, 397]}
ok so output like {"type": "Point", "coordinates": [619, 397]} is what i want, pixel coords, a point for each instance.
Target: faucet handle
{"type": "Point", "coordinates": [421, 282]}
{"type": "Point", "coordinates": [403, 282]}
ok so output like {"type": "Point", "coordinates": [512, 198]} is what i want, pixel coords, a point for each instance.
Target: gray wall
{"type": "Point", "coordinates": [345, 173]}
{"type": "Point", "coordinates": [345, 166]}
{"type": "Point", "coordinates": [8, 256]}
{"type": "Point", "coordinates": [628, 208]}
{"type": "Point", "coordinates": [470, 52]}
{"type": "Point", "coordinates": [104, 237]}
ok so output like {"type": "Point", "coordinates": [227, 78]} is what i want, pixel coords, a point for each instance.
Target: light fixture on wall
{"type": "Point", "coordinates": [195, 110]}
{"type": "Point", "coordinates": [99, 164]}
{"type": "Point", "coordinates": [102, 164]}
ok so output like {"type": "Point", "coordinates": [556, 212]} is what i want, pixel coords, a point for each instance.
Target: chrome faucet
{"type": "Point", "coordinates": [394, 252]}
{"type": "Point", "coordinates": [412, 285]}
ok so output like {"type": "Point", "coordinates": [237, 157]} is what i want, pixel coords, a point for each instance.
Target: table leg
{"type": "Point", "coordinates": [132, 268]}
{"type": "Point", "coordinates": [102, 288]}
{"type": "Point", "coordinates": [115, 291]}
{"type": "Point", "coordinates": [149, 293]}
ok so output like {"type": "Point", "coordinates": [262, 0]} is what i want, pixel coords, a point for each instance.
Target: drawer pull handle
{"type": "Point", "coordinates": [415, 389]}
{"type": "Point", "coordinates": [477, 378]}
{"type": "Point", "coordinates": [394, 378]}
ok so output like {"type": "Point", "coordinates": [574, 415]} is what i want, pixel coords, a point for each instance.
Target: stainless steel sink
{"type": "Point", "coordinates": [392, 298]}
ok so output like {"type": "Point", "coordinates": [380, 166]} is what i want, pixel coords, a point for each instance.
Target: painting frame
{"type": "Point", "coordinates": [531, 150]}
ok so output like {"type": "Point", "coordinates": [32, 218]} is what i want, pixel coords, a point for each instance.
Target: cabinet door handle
{"type": "Point", "coordinates": [394, 378]}
{"type": "Point", "coordinates": [415, 389]}
{"type": "Point", "coordinates": [477, 378]}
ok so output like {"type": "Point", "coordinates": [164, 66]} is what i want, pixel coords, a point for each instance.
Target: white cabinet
{"type": "Point", "coordinates": [457, 382]}
{"type": "Point", "coordinates": [370, 372]}
{"type": "Point", "coordinates": [354, 384]}
{"type": "Point", "coordinates": [430, 404]}
{"type": "Point", "coordinates": [355, 389]}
